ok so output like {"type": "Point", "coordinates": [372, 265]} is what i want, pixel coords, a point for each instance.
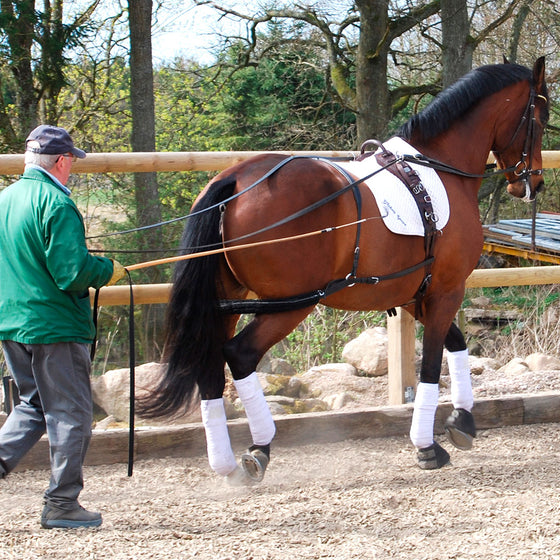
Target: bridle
{"type": "Point", "coordinates": [522, 169]}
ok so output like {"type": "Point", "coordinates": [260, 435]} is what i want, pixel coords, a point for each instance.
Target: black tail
{"type": "Point", "coordinates": [195, 329]}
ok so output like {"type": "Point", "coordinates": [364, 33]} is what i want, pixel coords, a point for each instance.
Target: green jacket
{"type": "Point", "coordinates": [45, 266]}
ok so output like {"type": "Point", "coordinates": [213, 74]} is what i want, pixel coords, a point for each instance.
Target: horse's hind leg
{"type": "Point", "coordinates": [218, 445]}
{"type": "Point", "coordinates": [243, 353]}
{"type": "Point", "coordinates": [459, 427]}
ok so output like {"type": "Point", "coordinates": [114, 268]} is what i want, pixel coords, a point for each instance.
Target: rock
{"type": "Point", "coordinates": [514, 367]}
{"type": "Point", "coordinates": [475, 348]}
{"type": "Point", "coordinates": [330, 381]}
{"type": "Point", "coordinates": [111, 393]}
{"type": "Point", "coordinates": [277, 366]}
{"type": "Point", "coordinates": [106, 423]}
{"type": "Point", "coordinates": [318, 378]}
{"type": "Point", "coordinates": [277, 408]}
{"type": "Point", "coordinates": [279, 399]}
{"type": "Point", "coordinates": [480, 366]}
{"type": "Point", "coordinates": [481, 301]}
{"type": "Point", "coordinates": [111, 390]}
{"type": "Point", "coordinates": [338, 400]}
{"type": "Point", "coordinates": [281, 385]}
{"type": "Point", "coordinates": [368, 352]}
{"type": "Point", "coordinates": [308, 405]}
{"type": "Point", "coordinates": [541, 362]}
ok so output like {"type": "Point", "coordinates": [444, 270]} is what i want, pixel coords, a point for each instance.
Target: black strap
{"type": "Point", "coordinates": [131, 362]}
{"type": "Point", "coordinates": [280, 305]}
{"type": "Point", "coordinates": [94, 312]}
{"type": "Point", "coordinates": [131, 365]}
{"type": "Point", "coordinates": [440, 166]}
{"type": "Point", "coordinates": [358, 199]}
{"type": "Point", "coordinates": [407, 175]}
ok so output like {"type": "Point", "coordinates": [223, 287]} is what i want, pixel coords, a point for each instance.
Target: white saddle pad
{"type": "Point", "coordinates": [394, 200]}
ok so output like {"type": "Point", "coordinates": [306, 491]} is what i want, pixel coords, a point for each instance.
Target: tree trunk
{"type": "Point", "coordinates": [19, 30]}
{"type": "Point", "coordinates": [148, 209]}
{"type": "Point", "coordinates": [457, 46]}
{"type": "Point", "coordinates": [372, 92]}
{"type": "Point", "coordinates": [518, 26]}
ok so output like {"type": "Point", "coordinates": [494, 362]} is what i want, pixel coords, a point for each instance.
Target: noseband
{"type": "Point", "coordinates": [524, 164]}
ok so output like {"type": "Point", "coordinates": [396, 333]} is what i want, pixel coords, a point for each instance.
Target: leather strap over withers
{"type": "Point", "coordinates": [403, 171]}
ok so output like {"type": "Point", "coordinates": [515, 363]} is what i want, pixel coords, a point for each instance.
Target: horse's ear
{"type": "Point", "coordinates": [538, 74]}
{"type": "Point", "coordinates": [506, 61]}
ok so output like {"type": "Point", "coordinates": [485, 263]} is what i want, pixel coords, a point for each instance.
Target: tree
{"type": "Point", "coordinates": [456, 44]}
{"type": "Point", "coordinates": [36, 81]}
{"type": "Point", "coordinates": [148, 208]}
{"type": "Point", "coordinates": [358, 69]}
{"type": "Point", "coordinates": [369, 73]}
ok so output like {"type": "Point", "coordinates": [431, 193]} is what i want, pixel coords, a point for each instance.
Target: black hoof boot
{"type": "Point", "coordinates": [432, 457]}
{"type": "Point", "coordinates": [255, 461]}
{"type": "Point", "coordinates": [460, 429]}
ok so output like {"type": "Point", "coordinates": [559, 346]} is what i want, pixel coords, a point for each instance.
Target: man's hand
{"type": "Point", "coordinates": [118, 272]}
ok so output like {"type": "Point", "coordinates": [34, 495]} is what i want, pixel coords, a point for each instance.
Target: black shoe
{"type": "Point", "coordinates": [3, 469]}
{"type": "Point", "coordinates": [56, 518]}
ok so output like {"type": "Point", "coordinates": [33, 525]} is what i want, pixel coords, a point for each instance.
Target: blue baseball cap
{"type": "Point", "coordinates": [53, 140]}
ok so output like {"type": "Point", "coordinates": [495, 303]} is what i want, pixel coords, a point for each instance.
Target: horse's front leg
{"type": "Point", "coordinates": [437, 320]}
{"type": "Point", "coordinates": [459, 427]}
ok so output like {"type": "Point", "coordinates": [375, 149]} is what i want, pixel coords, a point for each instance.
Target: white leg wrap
{"type": "Point", "coordinates": [425, 405]}
{"type": "Point", "coordinates": [460, 373]}
{"type": "Point", "coordinates": [258, 413]}
{"type": "Point", "coordinates": [220, 454]}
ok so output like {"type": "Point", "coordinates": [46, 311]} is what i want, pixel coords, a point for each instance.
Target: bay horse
{"type": "Point", "coordinates": [501, 108]}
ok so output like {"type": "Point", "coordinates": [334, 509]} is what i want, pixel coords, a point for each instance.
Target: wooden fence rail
{"type": "Point", "coordinates": [401, 328]}
{"type": "Point", "coordinates": [129, 162]}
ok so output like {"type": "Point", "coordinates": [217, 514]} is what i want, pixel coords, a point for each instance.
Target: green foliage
{"type": "Point", "coordinates": [322, 336]}
{"type": "Point", "coordinates": [534, 327]}
{"type": "Point", "coordinates": [536, 298]}
{"type": "Point", "coordinates": [281, 103]}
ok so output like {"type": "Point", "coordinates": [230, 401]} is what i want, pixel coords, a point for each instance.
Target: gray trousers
{"type": "Point", "coordinates": [55, 393]}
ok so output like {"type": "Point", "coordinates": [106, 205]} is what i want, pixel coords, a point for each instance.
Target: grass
{"type": "Point", "coordinates": [536, 330]}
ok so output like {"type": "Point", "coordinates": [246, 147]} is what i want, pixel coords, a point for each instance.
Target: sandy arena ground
{"type": "Point", "coordinates": [353, 500]}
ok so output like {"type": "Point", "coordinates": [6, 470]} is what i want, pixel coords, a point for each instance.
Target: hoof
{"type": "Point", "coordinates": [254, 463]}
{"type": "Point", "coordinates": [237, 478]}
{"type": "Point", "coordinates": [432, 457]}
{"type": "Point", "coordinates": [460, 429]}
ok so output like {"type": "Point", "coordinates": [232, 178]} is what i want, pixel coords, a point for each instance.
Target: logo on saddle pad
{"type": "Point", "coordinates": [395, 202]}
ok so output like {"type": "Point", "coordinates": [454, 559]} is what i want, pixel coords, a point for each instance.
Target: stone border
{"type": "Point", "coordinates": [111, 446]}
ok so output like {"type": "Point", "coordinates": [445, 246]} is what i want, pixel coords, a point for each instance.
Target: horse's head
{"type": "Point", "coordinates": [522, 139]}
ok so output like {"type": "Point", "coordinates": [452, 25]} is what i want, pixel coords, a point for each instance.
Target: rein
{"type": "Point", "coordinates": [526, 155]}
{"type": "Point", "coordinates": [219, 250]}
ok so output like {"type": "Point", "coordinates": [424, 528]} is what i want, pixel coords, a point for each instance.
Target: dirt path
{"type": "Point", "coordinates": [352, 500]}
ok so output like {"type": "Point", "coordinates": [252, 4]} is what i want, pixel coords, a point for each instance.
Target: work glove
{"type": "Point", "coordinates": [118, 272]}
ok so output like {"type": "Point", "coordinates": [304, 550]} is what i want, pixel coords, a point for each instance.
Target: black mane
{"type": "Point", "coordinates": [453, 102]}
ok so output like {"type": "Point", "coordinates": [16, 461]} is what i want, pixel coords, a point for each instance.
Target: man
{"type": "Point", "coordinates": [46, 323]}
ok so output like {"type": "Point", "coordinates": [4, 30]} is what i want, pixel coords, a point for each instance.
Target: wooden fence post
{"type": "Point", "coordinates": [401, 357]}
